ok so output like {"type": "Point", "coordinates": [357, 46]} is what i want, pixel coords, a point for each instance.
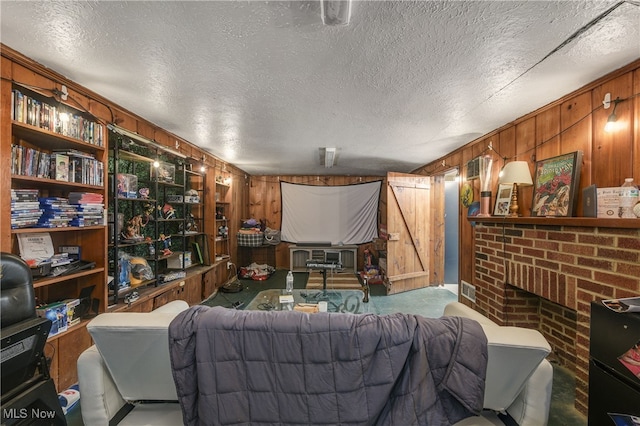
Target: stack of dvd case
{"type": "Point", "coordinates": [57, 212]}
{"type": "Point", "coordinates": [89, 207]}
{"type": "Point", "coordinates": [25, 208]}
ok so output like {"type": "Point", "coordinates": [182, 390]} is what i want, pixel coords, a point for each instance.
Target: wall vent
{"type": "Point", "coordinates": [468, 291]}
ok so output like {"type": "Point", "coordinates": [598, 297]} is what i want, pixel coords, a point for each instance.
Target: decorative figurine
{"type": "Point", "coordinates": [168, 212]}
{"type": "Point", "coordinates": [166, 243]}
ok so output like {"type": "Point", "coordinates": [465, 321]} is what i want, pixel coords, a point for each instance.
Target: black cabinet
{"type": "Point", "coordinates": [614, 377]}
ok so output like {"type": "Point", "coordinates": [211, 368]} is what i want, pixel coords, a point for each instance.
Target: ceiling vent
{"type": "Point", "coordinates": [329, 157]}
{"type": "Point", "coordinates": [335, 12]}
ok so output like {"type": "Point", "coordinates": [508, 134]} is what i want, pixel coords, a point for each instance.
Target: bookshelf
{"type": "Point", "coordinates": [222, 214]}
{"type": "Point", "coordinates": [86, 132]}
{"type": "Point", "coordinates": [49, 203]}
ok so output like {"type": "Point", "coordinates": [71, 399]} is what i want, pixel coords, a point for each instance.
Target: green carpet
{"type": "Point", "coordinates": [251, 288]}
{"type": "Point", "coordinates": [428, 302]}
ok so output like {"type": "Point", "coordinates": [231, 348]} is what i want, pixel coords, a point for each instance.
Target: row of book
{"type": "Point", "coordinates": [28, 110]}
{"type": "Point", "coordinates": [66, 165]}
{"type": "Point", "coordinates": [81, 209]}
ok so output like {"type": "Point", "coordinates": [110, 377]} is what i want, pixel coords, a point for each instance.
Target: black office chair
{"type": "Point", "coordinates": [28, 393]}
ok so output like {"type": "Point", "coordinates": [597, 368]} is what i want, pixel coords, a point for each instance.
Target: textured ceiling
{"type": "Point", "coordinates": [264, 85]}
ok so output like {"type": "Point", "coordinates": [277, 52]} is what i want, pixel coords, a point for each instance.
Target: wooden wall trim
{"type": "Point", "coordinates": [434, 166]}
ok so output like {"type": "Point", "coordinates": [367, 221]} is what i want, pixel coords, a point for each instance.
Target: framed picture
{"type": "Point", "coordinates": [503, 199]}
{"type": "Point", "coordinates": [473, 169]}
{"type": "Point", "coordinates": [555, 185]}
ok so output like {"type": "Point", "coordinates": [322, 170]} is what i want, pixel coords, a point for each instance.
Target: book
{"type": "Point", "coordinates": [590, 201]}
{"type": "Point", "coordinates": [198, 252]}
{"type": "Point", "coordinates": [60, 164]}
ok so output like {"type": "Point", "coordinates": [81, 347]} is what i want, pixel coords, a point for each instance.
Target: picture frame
{"type": "Point", "coordinates": [503, 199]}
{"type": "Point", "coordinates": [473, 168]}
{"type": "Point", "coordinates": [555, 185]}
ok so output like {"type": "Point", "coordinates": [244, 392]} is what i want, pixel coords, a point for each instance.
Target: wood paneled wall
{"type": "Point", "coordinates": [17, 68]}
{"type": "Point", "coordinates": [265, 202]}
{"type": "Point", "coordinates": [572, 123]}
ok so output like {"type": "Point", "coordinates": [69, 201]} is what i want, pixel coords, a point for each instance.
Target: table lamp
{"type": "Point", "coordinates": [516, 173]}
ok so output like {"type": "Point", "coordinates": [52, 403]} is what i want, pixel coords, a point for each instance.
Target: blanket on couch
{"type": "Point", "coordinates": [254, 367]}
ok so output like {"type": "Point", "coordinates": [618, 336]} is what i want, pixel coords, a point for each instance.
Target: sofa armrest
{"type": "Point", "coordinates": [100, 397]}
{"type": "Point", "coordinates": [140, 349]}
{"type": "Point", "coordinates": [457, 309]}
{"type": "Point", "coordinates": [514, 354]}
{"type": "Point", "coordinates": [173, 307]}
{"type": "Point", "coordinates": [531, 407]}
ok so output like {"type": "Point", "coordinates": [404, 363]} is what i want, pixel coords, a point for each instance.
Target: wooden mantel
{"type": "Point", "coordinates": [561, 221]}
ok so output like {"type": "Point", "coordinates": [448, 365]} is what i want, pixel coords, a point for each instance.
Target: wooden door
{"type": "Point", "coordinates": [415, 244]}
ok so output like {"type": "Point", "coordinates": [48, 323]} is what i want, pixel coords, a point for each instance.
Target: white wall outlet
{"type": "Point", "coordinates": [229, 265]}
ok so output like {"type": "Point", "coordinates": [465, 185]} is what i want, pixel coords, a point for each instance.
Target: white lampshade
{"type": "Point", "coordinates": [516, 172]}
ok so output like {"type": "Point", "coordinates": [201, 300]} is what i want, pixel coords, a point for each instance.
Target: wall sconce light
{"type": "Point", "coordinates": [611, 125]}
{"type": "Point", "coordinates": [203, 168]}
{"type": "Point", "coordinates": [335, 12]}
{"type": "Point", "coordinates": [329, 157]}
{"type": "Point", "coordinates": [518, 174]}
{"type": "Point", "coordinates": [156, 163]}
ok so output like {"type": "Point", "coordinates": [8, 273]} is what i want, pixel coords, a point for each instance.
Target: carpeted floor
{"type": "Point", "coordinates": [428, 302]}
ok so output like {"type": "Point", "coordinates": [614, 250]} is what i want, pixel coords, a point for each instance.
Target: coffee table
{"type": "Point", "coordinates": [337, 300]}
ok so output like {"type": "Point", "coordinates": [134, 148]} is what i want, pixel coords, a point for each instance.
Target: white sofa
{"type": "Point", "coordinates": [126, 376]}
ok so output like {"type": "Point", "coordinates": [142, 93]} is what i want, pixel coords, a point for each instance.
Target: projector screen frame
{"type": "Point", "coordinates": [351, 212]}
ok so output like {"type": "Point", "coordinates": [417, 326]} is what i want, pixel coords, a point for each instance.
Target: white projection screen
{"type": "Point", "coordinates": [346, 214]}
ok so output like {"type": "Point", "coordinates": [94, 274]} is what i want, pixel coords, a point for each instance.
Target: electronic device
{"type": "Point", "coordinates": [313, 244]}
{"type": "Point", "coordinates": [86, 305]}
{"type": "Point", "coordinates": [313, 264]}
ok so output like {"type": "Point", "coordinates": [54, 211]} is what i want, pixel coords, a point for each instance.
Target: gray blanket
{"type": "Point", "coordinates": [290, 368]}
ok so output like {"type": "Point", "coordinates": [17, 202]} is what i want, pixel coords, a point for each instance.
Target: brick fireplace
{"type": "Point", "coordinates": [543, 273]}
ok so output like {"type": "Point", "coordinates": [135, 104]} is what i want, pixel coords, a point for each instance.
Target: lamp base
{"type": "Point", "coordinates": [513, 206]}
